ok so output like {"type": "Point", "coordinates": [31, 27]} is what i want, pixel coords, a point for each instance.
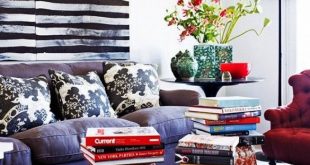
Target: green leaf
{"type": "Point", "coordinates": [167, 18]}
{"type": "Point", "coordinates": [205, 6]}
{"type": "Point", "coordinates": [266, 22]}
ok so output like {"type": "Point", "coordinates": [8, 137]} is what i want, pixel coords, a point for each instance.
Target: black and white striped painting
{"type": "Point", "coordinates": [64, 29]}
{"type": "Point", "coordinates": [17, 30]}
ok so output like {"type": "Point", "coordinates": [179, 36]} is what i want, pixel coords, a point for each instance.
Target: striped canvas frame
{"type": "Point", "coordinates": [64, 29]}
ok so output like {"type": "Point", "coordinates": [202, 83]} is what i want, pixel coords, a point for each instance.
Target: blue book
{"type": "Point", "coordinates": [229, 101]}
{"type": "Point", "coordinates": [224, 128]}
{"type": "Point", "coordinates": [239, 115]}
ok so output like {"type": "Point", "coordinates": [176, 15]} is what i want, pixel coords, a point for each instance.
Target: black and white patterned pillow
{"type": "Point", "coordinates": [24, 104]}
{"type": "Point", "coordinates": [81, 96]}
{"type": "Point", "coordinates": [131, 87]}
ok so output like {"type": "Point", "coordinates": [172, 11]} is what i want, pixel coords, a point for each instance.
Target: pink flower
{"type": "Point", "coordinates": [191, 29]}
{"type": "Point", "coordinates": [188, 31]}
{"type": "Point", "coordinates": [185, 12]}
{"type": "Point", "coordinates": [172, 22]}
{"type": "Point", "coordinates": [183, 35]}
{"type": "Point", "coordinates": [180, 3]}
{"type": "Point", "coordinates": [216, 1]}
{"type": "Point", "coordinates": [196, 2]}
{"type": "Point", "coordinates": [223, 13]}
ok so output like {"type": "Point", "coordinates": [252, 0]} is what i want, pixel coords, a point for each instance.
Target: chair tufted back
{"type": "Point", "coordinates": [301, 99]}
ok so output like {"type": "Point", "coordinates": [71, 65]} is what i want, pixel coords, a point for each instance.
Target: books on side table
{"type": "Point", "coordinates": [232, 122]}
{"type": "Point", "coordinates": [122, 145]}
{"type": "Point", "coordinates": [233, 115]}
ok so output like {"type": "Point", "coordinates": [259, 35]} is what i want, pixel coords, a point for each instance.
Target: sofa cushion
{"type": "Point", "coordinates": [60, 142]}
{"type": "Point", "coordinates": [131, 87]}
{"type": "Point", "coordinates": [24, 104]}
{"type": "Point", "coordinates": [169, 121]}
{"type": "Point", "coordinates": [176, 97]}
{"type": "Point", "coordinates": [20, 154]}
{"type": "Point", "coordinates": [81, 96]}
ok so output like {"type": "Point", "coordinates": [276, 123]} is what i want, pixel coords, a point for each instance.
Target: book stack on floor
{"type": "Point", "coordinates": [215, 150]}
{"type": "Point", "coordinates": [229, 116]}
{"type": "Point", "coordinates": [125, 145]}
{"type": "Point", "coordinates": [205, 149]}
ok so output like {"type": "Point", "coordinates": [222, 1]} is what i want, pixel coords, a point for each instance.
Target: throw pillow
{"type": "Point", "coordinates": [24, 104]}
{"type": "Point", "coordinates": [81, 95]}
{"type": "Point", "coordinates": [131, 87]}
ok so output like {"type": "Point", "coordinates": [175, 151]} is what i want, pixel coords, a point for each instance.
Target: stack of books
{"type": "Point", "coordinates": [205, 149]}
{"type": "Point", "coordinates": [234, 115]}
{"type": "Point", "coordinates": [215, 150]}
{"type": "Point", "coordinates": [125, 145]}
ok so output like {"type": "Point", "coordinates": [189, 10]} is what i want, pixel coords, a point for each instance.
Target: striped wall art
{"type": "Point", "coordinates": [64, 29]}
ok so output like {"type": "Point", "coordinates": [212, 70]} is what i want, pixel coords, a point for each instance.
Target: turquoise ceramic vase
{"type": "Point", "coordinates": [209, 58]}
{"type": "Point", "coordinates": [184, 66]}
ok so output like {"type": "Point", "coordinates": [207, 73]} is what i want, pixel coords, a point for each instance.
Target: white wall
{"type": "Point", "coordinates": [262, 53]}
{"type": "Point", "coordinates": [152, 41]}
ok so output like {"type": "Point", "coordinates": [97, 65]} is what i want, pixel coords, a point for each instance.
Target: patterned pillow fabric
{"type": "Point", "coordinates": [24, 104]}
{"type": "Point", "coordinates": [81, 96]}
{"type": "Point", "coordinates": [131, 87]}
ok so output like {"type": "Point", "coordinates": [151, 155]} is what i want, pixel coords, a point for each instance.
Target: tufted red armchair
{"type": "Point", "coordinates": [289, 137]}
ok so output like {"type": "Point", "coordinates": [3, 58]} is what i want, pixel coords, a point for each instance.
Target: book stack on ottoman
{"type": "Point", "coordinates": [229, 116]}
{"type": "Point", "coordinates": [126, 145]}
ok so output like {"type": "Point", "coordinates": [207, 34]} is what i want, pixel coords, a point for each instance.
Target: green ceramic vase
{"type": "Point", "coordinates": [209, 58]}
{"type": "Point", "coordinates": [184, 66]}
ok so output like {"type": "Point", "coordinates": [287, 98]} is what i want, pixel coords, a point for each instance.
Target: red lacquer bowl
{"type": "Point", "coordinates": [238, 70]}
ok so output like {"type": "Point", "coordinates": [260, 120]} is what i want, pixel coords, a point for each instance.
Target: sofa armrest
{"type": "Point", "coordinates": [284, 117]}
{"type": "Point", "coordinates": [178, 97]}
{"type": "Point", "coordinates": [169, 121]}
{"type": "Point", "coordinates": [20, 154]}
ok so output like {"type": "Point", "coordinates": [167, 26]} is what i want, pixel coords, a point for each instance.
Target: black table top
{"type": "Point", "coordinates": [214, 81]}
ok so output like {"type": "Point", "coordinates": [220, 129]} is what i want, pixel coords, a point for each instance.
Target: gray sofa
{"type": "Point", "coordinates": [58, 143]}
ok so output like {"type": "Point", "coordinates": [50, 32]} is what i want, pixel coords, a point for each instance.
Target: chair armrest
{"type": "Point", "coordinates": [178, 97]}
{"type": "Point", "coordinates": [284, 117]}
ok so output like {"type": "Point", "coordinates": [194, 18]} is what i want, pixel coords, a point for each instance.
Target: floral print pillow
{"type": "Point", "coordinates": [24, 104]}
{"type": "Point", "coordinates": [131, 87]}
{"type": "Point", "coordinates": [81, 96]}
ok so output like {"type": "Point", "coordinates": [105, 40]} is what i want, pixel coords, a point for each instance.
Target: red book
{"type": "Point", "coordinates": [249, 120]}
{"type": "Point", "coordinates": [122, 136]}
{"type": "Point", "coordinates": [151, 159]}
{"type": "Point", "coordinates": [122, 155]}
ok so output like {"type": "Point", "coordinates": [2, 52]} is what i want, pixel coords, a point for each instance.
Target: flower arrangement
{"type": "Point", "coordinates": [209, 21]}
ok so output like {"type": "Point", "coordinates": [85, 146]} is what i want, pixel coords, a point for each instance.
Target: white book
{"type": "Point", "coordinates": [121, 132]}
{"type": "Point", "coordinates": [122, 136]}
{"type": "Point", "coordinates": [220, 110]}
{"type": "Point", "coordinates": [201, 115]}
{"type": "Point", "coordinates": [127, 161]}
{"type": "Point", "coordinates": [227, 143]}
